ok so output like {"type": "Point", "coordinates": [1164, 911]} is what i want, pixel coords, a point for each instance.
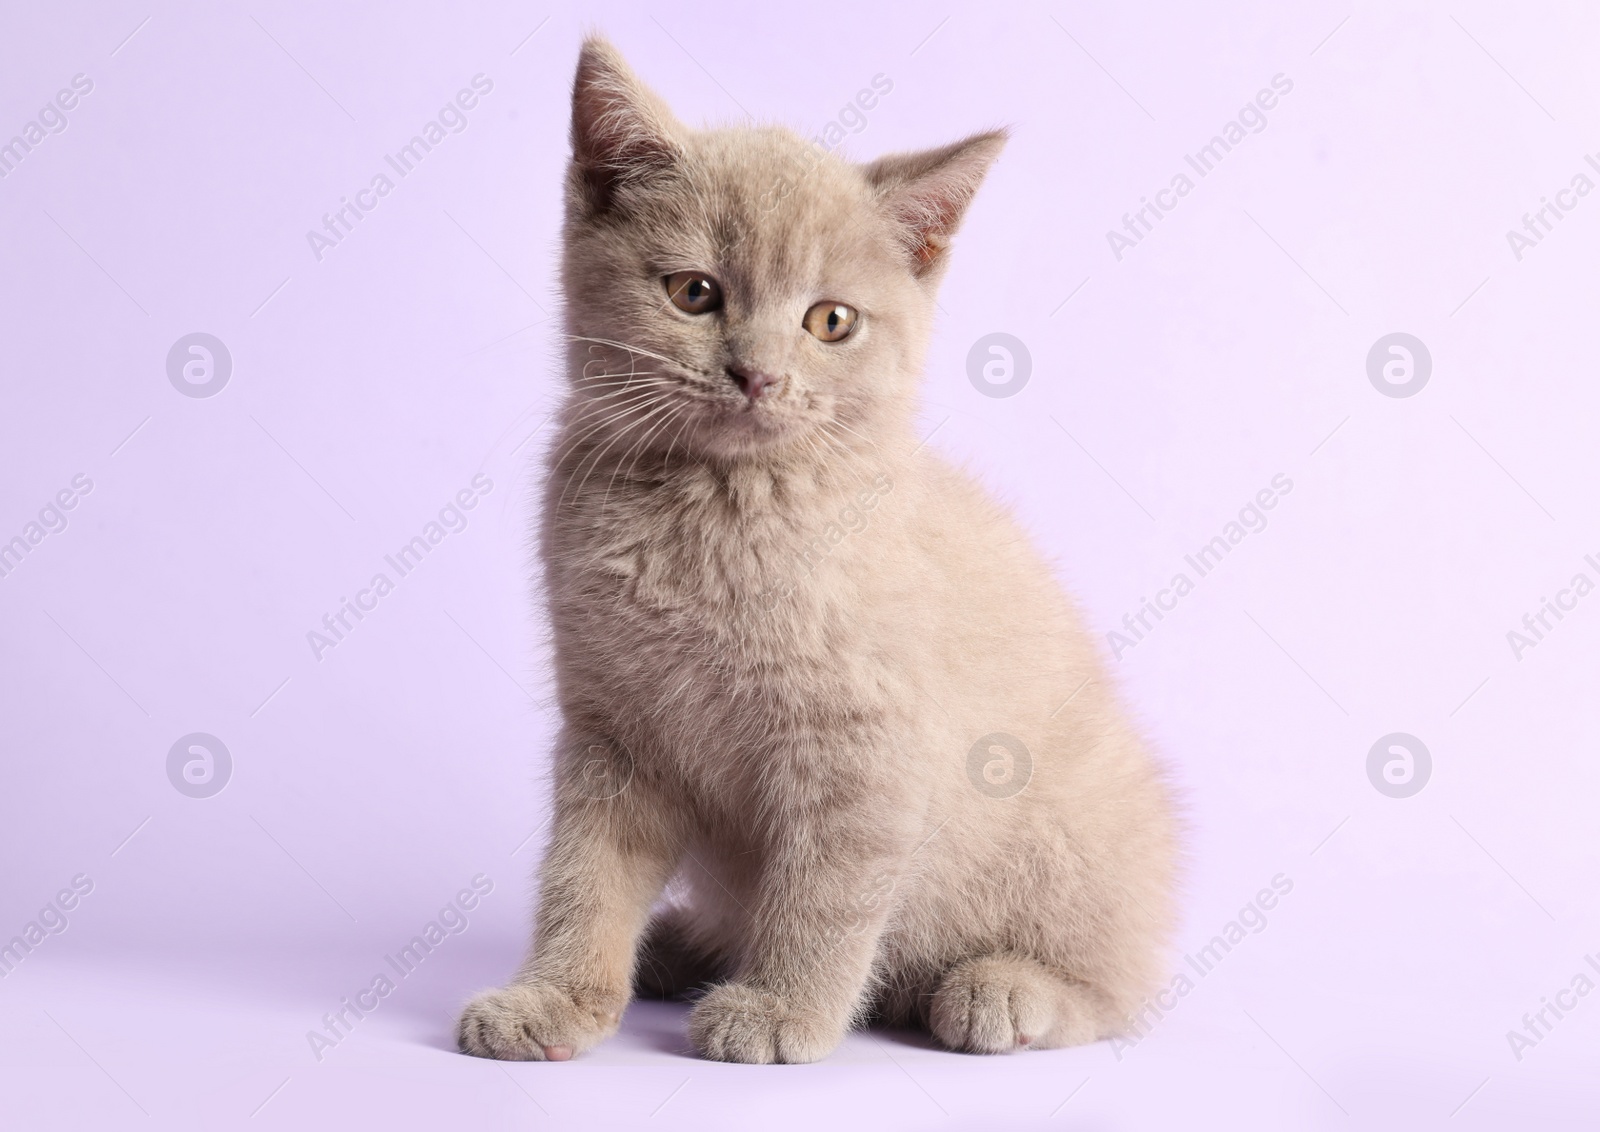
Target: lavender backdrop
{"type": "Point", "coordinates": [188, 516]}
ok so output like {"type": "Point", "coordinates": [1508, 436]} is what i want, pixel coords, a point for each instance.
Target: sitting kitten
{"type": "Point", "coordinates": [809, 674]}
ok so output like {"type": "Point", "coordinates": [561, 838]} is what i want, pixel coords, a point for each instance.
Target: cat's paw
{"type": "Point", "coordinates": [997, 1003]}
{"type": "Point", "coordinates": [533, 1022]}
{"type": "Point", "coordinates": [757, 1027]}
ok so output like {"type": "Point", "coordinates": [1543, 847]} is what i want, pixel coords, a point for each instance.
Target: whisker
{"type": "Point", "coordinates": [638, 450]}
{"type": "Point", "coordinates": [836, 423]}
{"type": "Point", "coordinates": [688, 420]}
{"type": "Point", "coordinates": [609, 413]}
{"type": "Point", "coordinates": [846, 454]}
{"type": "Point", "coordinates": [613, 343]}
{"type": "Point", "coordinates": [589, 464]}
{"type": "Point", "coordinates": [612, 399]}
{"type": "Point", "coordinates": [593, 460]}
{"type": "Point", "coordinates": [588, 379]}
{"type": "Point", "coordinates": [631, 383]}
{"type": "Point", "coordinates": [672, 410]}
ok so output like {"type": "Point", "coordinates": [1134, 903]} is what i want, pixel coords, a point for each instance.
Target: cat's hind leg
{"type": "Point", "coordinates": [999, 1003]}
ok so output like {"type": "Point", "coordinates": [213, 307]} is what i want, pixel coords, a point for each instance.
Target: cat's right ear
{"type": "Point", "coordinates": [622, 133]}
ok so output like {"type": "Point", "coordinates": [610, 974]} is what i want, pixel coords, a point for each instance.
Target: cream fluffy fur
{"type": "Point", "coordinates": [816, 686]}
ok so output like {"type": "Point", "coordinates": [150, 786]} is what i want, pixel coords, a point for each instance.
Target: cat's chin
{"type": "Point", "coordinates": [745, 431]}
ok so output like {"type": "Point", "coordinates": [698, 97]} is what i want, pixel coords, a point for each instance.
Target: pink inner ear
{"type": "Point", "coordinates": [938, 220]}
{"type": "Point", "coordinates": [933, 191]}
{"type": "Point", "coordinates": [929, 217]}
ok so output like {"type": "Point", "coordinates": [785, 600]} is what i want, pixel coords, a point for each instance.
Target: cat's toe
{"type": "Point", "coordinates": [756, 1027]}
{"type": "Point", "coordinates": [997, 1004]}
{"type": "Point", "coordinates": [532, 1022]}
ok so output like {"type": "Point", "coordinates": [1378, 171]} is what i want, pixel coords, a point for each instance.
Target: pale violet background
{"type": "Point", "coordinates": [1228, 347]}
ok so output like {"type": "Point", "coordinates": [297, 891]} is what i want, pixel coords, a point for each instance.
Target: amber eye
{"type": "Point", "coordinates": [693, 292]}
{"type": "Point", "coordinates": [831, 321]}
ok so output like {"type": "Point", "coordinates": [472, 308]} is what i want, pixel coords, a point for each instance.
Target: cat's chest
{"type": "Point", "coordinates": [708, 578]}
{"type": "Point", "coordinates": [684, 563]}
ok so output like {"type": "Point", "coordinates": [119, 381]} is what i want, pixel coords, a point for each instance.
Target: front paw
{"type": "Point", "coordinates": [746, 1024]}
{"type": "Point", "coordinates": [534, 1022]}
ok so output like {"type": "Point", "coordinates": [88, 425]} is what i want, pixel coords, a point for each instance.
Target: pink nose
{"type": "Point", "coordinates": [753, 383]}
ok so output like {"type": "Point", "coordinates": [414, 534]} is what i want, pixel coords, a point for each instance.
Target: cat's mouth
{"type": "Point", "coordinates": [737, 425]}
{"type": "Point", "coordinates": [759, 417]}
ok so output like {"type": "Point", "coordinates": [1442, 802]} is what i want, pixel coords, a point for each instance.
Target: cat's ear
{"type": "Point", "coordinates": [621, 131]}
{"type": "Point", "coordinates": [927, 193]}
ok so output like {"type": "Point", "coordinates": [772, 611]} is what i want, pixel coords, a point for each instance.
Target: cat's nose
{"type": "Point", "coordinates": [753, 382]}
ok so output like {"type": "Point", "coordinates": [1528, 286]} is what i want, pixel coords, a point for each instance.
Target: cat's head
{"type": "Point", "coordinates": [738, 291]}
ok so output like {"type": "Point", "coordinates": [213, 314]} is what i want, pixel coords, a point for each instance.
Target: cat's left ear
{"type": "Point", "coordinates": [927, 193]}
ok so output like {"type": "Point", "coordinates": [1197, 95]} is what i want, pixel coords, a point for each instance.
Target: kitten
{"type": "Point", "coordinates": [810, 675]}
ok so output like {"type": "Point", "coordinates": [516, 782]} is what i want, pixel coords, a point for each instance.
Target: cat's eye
{"type": "Point", "coordinates": [693, 292]}
{"type": "Point", "coordinates": [831, 322]}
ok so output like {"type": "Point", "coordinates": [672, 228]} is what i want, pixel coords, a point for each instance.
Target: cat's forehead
{"type": "Point", "coordinates": [775, 206]}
